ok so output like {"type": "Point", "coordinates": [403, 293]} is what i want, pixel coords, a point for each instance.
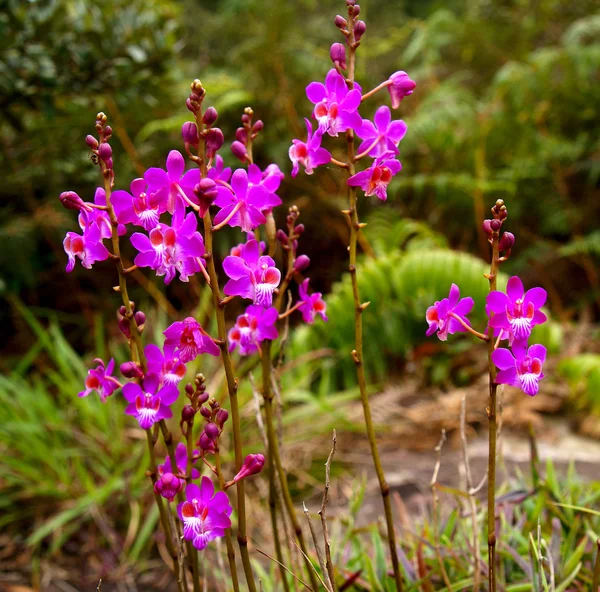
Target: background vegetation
{"type": "Point", "coordinates": [506, 106]}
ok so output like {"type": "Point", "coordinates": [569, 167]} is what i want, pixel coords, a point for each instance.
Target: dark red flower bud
{"type": "Point", "coordinates": [253, 464]}
{"type": "Point", "coordinates": [221, 417]}
{"type": "Point", "coordinates": [189, 389]}
{"type": "Point", "coordinates": [131, 370]}
{"type": "Point", "coordinates": [299, 229]}
{"type": "Point", "coordinates": [72, 201]}
{"type": "Point", "coordinates": [239, 151]}
{"type": "Point", "coordinates": [355, 10]}
{"type": "Point", "coordinates": [205, 411]}
{"type": "Point", "coordinates": [202, 398]}
{"type": "Point", "coordinates": [105, 151]}
{"type": "Point", "coordinates": [245, 118]}
{"type": "Point", "coordinates": [337, 53]}
{"type": "Point", "coordinates": [214, 140]}
{"type": "Point", "coordinates": [206, 192]}
{"type": "Point", "coordinates": [212, 431]}
{"type": "Point", "coordinates": [210, 116]}
{"type": "Point", "coordinates": [359, 28]}
{"type": "Point", "coordinates": [123, 324]}
{"type": "Point", "coordinates": [241, 135]}
{"type": "Point", "coordinates": [301, 263]}
{"type": "Point", "coordinates": [282, 237]}
{"type": "Point", "coordinates": [487, 226]}
{"type": "Point", "coordinates": [258, 125]}
{"type": "Point", "coordinates": [189, 133]}
{"type": "Point", "coordinates": [506, 242]}
{"type": "Point", "coordinates": [340, 22]}
{"type": "Point", "coordinates": [192, 106]}
{"type": "Point", "coordinates": [107, 132]}
{"type": "Point", "coordinates": [495, 225]}
{"type": "Point", "coordinates": [187, 413]}
{"type": "Point", "coordinates": [206, 443]}
{"type": "Point", "coordinates": [91, 142]}
{"type": "Point", "coordinates": [140, 318]}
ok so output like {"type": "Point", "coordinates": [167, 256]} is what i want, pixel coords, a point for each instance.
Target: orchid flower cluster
{"type": "Point", "coordinates": [159, 215]}
{"type": "Point", "coordinates": [512, 316]}
{"type": "Point", "coordinates": [336, 105]}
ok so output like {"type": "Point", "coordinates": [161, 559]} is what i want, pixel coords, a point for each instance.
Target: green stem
{"type": "Point", "coordinates": [276, 464]}
{"type": "Point", "coordinates": [228, 541]}
{"type": "Point", "coordinates": [493, 430]}
{"type": "Point", "coordinates": [357, 353]}
{"type": "Point", "coordinates": [596, 581]}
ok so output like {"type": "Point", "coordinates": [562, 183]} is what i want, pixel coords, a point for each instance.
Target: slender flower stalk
{"type": "Point", "coordinates": [492, 423]}
{"type": "Point", "coordinates": [359, 307]}
{"type": "Point", "coordinates": [232, 382]}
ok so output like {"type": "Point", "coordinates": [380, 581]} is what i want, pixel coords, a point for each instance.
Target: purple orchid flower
{"type": "Point", "coordinates": [313, 304]}
{"type": "Point", "coordinates": [188, 340]}
{"type": "Point", "coordinates": [517, 311]}
{"type": "Point", "coordinates": [88, 217]}
{"type": "Point", "coordinates": [251, 328]}
{"type": "Point", "coordinates": [383, 136]}
{"type": "Point", "coordinates": [241, 204]}
{"type": "Point", "coordinates": [268, 180]}
{"type": "Point", "coordinates": [237, 250]}
{"type": "Point", "coordinates": [181, 458]}
{"type": "Point", "coordinates": [309, 154]}
{"type": "Point", "coordinates": [100, 379]}
{"type": "Point", "coordinates": [400, 86]}
{"type": "Point", "coordinates": [147, 403]}
{"type": "Point", "coordinates": [173, 186]}
{"type": "Point", "coordinates": [169, 250]}
{"type": "Point", "coordinates": [375, 179]}
{"type": "Point", "coordinates": [204, 517]}
{"type": "Point", "coordinates": [87, 248]}
{"type": "Point", "coordinates": [170, 370]}
{"type": "Point", "coordinates": [521, 368]}
{"type": "Point", "coordinates": [139, 207]}
{"type": "Point", "coordinates": [441, 317]}
{"type": "Point", "coordinates": [218, 173]}
{"type": "Point", "coordinates": [169, 485]}
{"type": "Point", "coordinates": [335, 104]}
{"type": "Point", "coordinates": [252, 276]}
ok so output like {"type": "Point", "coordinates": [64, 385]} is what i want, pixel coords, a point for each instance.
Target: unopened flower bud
{"type": "Point", "coordinates": [206, 443]}
{"type": "Point", "coordinates": [487, 226]}
{"type": "Point", "coordinates": [301, 263]}
{"type": "Point", "coordinates": [241, 135]}
{"type": "Point", "coordinates": [187, 413]}
{"type": "Point", "coordinates": [189, 389]}
{"type": "Point", "coordinates": [214, 139]}
{"type": "Point", "coordinates": [400, 86]}
{"type": "Point", "coordinates": [71, 201]}
{"type": "Point", "coordinates": [168, 486]}
{"type": "Point", "coordinates": [140, 318]}
{"type": "Point", "coordinates": [340, 22]}
{"type": "Point", "coordinates": [205, 411]}
{"type": "Point", "coordinates": [258, 125]}
{"type": "Point", "coordinates": [245, 118]}
{"type": "Point", "coordinates": [495, 225]}
{"type": "Point", "coordinates": [239, 151]}
{"type": "Point", "coordinates": [359, 28]}
{"type": "Point", "coordinates": [206, 192]}
{"type": "Point", "coordinates": [105, 151]}
{"type": "Point", "coordinates": [191, 105]}
{"type": "Point", "coordinates": [221, 417]}
{"type": "Point", "coordinates": [337, 53]}
{"type": "Point", "coordinates": [131, 370]}
{"type": "Point", "coordinates": [91, 142]}
{"type": "Point", "coordinates": [212, 431]}
{"type": "Point", "coordinates": [253, 464]}
{"type": "Point", "coordinates": [299, 229]}
{"type": "Point", "coordinates": [189, 133]}
{"type": "Point", "coordinates": [202, 398]}
{"type": "Point", "coordinates": [210, 116]}
{"type": "Point", "coordinates": [355, 10]}
{"type": "Point", "coordinates": [282, 237]}
{"type": "Point", "coordinates": [123, 324]}
{"type": "Point", "coordinates": [107, 132]}
{"type": "Point", "coordinates": [122, 310]}
{"type": "Point", "coordinates": [506, 242]}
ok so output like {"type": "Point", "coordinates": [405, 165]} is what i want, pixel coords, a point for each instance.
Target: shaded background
{"type": "Point", "coordinates": [506, 107]}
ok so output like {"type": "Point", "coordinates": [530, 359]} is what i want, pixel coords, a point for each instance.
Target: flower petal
{"type": "Point", "coordinates": [514, 288]}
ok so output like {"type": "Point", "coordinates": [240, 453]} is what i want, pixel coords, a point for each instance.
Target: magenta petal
{"type": "Point", "coordinates": [235, 267]}
{"type": "Point", "coordinates": [537, 351]}
{"type": "Point", "coordinates": [497, 302]}
{"type": "Point", "coordinates": [175, 165]}
{"type": "Point", "coordinates": [503, 359]}
{"type": "Point", "coordinates": [207, 489]}
{"type": "Point", "coordinates": [382, 118]}
{"type": "Point", "coordinates": [156, 178]}
{"type": "Point", "coordinates": [242, 287]}
{"type": "Point", "coordinates": [320, 156]}
{"type": "Point", "coordinates": [453, 296]}
{"type": "Point", "coordinates": [465, 306]}
{"type": "Point", "coordinates": [141, 242]}
{"type": "Point", "coordinates": [352, 101]}
{"type": "Point", "coordinates": [220, 502]}
{"type": "Point", "coordinates": [316, 92]}
{"type": "Point", "coordinates": [192, 491]}
{"type": "Point", "coordinates": [539, 318]}
{"type": "Point", "coordinates": [168, 394]}
{"type": "Point", "coordinates": [537, 296]}
{"type": "Point", "coordinates": [499, 321]}
{"type": "Point", "coordinates": [132, 390]}
{"type": "Point", "coordinates": [239, 183]}
{"type": "Point", "coordinates": [519, 348]}
{"type": "Point", "coordinates": [514, 288]}
{"type": "Point", "coordinates": [508, 376]}
{"type": "Point", "coordinates": [396, 131]}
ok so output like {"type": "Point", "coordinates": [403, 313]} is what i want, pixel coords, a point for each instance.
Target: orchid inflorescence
{"type": "Point", "coordinates": [164, 207]}
{"type": "Point", "coordinates": [512, 316]}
